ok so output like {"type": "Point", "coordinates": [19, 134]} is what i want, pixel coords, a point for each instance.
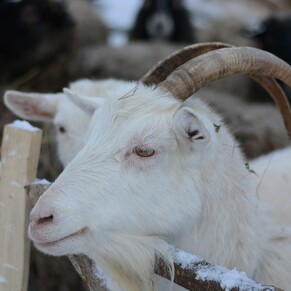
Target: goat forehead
{"type": "Point", "coordinates": [143, 111]}
{"type": "Point", "coordinates": [141, 100]}
{"type": "Point", "coordinates": [125, 131]}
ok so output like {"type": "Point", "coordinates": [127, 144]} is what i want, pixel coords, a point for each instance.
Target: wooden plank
{"type": "Point", "coordinates": [20, 154]}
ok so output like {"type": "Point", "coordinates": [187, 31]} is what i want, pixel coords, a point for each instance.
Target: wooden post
{"type": "Point", "coordinates": [20, 154]}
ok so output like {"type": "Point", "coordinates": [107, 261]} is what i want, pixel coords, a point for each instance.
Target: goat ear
{"type": "Point", "coordinates": [192, 128]}
{"type": "Point", "coordinates": [87, 104]}
{"type": "Point", "coordinates": [32, 106]}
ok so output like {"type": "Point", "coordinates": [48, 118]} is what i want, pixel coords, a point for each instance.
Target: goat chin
{"type": "Point", "coordinates": [130, 260]}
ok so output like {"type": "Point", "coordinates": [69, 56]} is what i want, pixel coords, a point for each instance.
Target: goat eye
{"type": "Point", "coordinates": [62, 129]}
{"type": "Point", "coordinates": [143, 151]}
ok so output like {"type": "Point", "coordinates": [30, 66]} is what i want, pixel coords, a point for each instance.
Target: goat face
{"type": "Point", "coordinates": [146, 158]}
{"type": "Point", "coordinates": [70, 121]}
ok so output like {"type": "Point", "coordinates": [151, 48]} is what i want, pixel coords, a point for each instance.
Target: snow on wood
{"type": "Point", "coordinates": [85, 268]}
{"type": "Point", "coordinates": [22, 124]}
{"type": "Point", "coordinates": [227, 279]}
{"type": "Point", "coordinates": [104, 278]}
{"type": "Point", "coordinates": [15, 184]}
{"type": "Point", "coordinates": [3, 280]}
{"type": "Point", "coordinates": [9, 266]}
{"type": "Point", "coordinates": [41, 182]}
{"type": "Point", "coordinates": [20, 154]}
{"type": "Point", "coordinates": [191, 272]}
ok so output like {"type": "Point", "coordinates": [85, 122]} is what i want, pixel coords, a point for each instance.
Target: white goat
{"type": "Point", "coordinates": [133, 140]}
{"type": "Point", "coordinates": [157, 171]}
{"type": "Point", "coordinates": [69, 120]}
{"type": "Point", "coordinates": [155, 127]}
{"type": "Point", "coordinates": [272, 171]}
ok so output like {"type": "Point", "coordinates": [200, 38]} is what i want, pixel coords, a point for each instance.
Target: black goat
{"type": "Point", "coordinates": [31, 31]}
{"type": "Point", "coordinates": [165, 20]}
{"type": "Point", "coordinates": [274, 36]}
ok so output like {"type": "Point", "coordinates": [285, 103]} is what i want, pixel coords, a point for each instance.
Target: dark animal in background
{"type": "Point", "coordinates": [274, 36]}
{"type": "Point", "coordinates": [166, 20]}
{"type": "Point", "coordinates": [31, 31]}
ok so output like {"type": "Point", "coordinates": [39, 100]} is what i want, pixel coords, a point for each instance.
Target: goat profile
{"type": "Point", "coordinates": [159, 169]}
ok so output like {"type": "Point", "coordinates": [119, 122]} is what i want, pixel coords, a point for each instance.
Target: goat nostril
{"type": "Point", "coordinates": [47, 219]}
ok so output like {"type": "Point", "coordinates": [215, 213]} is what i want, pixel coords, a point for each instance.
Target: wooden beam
{"type": "Point", "coordinates": [20, 155]}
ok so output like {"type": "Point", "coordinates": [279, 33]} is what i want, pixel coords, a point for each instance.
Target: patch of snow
{"type": "Point", "coordinates": [9, 266]}
{"type": "Point", "coordinates": [22, 124]}
{"type": "Point", "coordinates": [2, 204]}
{"type": "Point", "coordinates": [12, 153]}
{"type": "Point", "coordinates": [186, 260]}
{"type": "Point", "coordinates": [3, 280]}
{"type": "Point", "coordinates": [228, 279]}
{"type": "Point", "coordinates": [41, 182]}
{"type": "Point", "coordinates": [15, 184]}
{"type": "Point", "coordinates": [102, 275]}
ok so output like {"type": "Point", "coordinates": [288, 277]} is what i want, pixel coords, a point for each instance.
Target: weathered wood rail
{"type": "Point", "coordinates": [20, 154]}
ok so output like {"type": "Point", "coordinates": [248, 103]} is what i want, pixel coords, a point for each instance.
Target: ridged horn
{"type": "Point", "coordinates": [165, 67]}
{"type": "Point", "coordinates": [262, 66]}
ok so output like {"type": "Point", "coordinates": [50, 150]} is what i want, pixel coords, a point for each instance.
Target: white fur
{"type": "Point", "coordinates": [123, 210]}
{"type": "Point", "coordinates": [273, 177]}
{"type": "Point", "coordinates": [59, 110]}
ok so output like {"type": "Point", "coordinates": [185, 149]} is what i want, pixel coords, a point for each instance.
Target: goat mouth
{"type": "Point", "coordinates": [51, 244]}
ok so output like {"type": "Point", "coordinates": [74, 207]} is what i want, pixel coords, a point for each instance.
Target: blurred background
{"type": "Point", "coordinates": [46, 44]}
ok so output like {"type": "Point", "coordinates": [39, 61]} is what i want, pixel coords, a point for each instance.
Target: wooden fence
{"type": "Point", "coordinates": [19, 191]}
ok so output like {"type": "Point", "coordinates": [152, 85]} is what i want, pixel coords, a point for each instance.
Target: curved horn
{"type": "Point", "coordinates": [165, 67]}
{"type": "Point", "coordinates": [214, 65]}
